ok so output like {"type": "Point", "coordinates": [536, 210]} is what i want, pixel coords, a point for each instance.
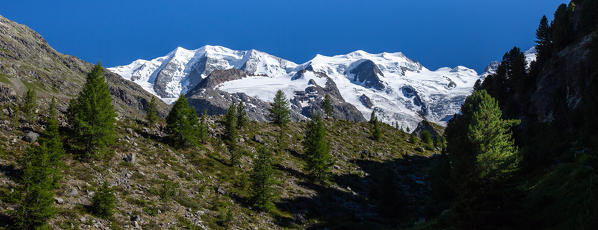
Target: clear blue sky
{"type": "Point", "coordinates": [436, 33]}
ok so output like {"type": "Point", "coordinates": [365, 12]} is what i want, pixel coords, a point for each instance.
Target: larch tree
{"type": "Point", "coordinates": [241, 115]}
{"type": "Point", "coordinates": [317, 150]}
{"type": "Point", "coordinates": [151, 113]}
{"type": "Point", "coordinates": [182, 124]}
{"type": "Point", "coordinates": [92, 116]}
{"type": "Point", "coordinates": [327, 105]}
{"type": "Point", "coordinates": [262, 180]}
{"type": "Point", "coordinates": [231, 134]}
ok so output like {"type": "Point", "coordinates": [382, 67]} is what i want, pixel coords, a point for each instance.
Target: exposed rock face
{"type": "Point", "coordinates": [365, 100]}
{"type": "Point", "coordinates": [206, 95]}
{"type": "Point", "coordinates": [367, 73]}
{"type": "Point", "coordinates": [313, 97]}
{"type": "Point", "coordinates": [425, 126]}
{"type": "Point", "coordinates": [26, 59]}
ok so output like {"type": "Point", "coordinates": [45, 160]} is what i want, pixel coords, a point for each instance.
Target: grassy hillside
{"type": "Point", "coordinates": [196, 188]}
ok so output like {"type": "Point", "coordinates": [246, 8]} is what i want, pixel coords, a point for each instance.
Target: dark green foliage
{"type": "Point", "coordinates": [376, 131]}
{"type": "Point", "coordinates": [203, 127]}
{"type": "Point", "coordinates": [151, 113]}
{"type": "Point", "coordinates": [36, 205]}
{"type": "Point", "coordinates": [317, 150]}
{"type": "Point", "coordinates": [51, 138]}
{"type": "Point", "coordinates": [168, 191]}
{"type": "Point", "coordinates": [426, 137]}
{"type": "Point", "coordinates": [327, 105]}
{"type": "Point", "coordinates": [182, 124]}
{"type": "Point", "coordinates": [373, 117]}
{"type": "Point", "coordinates": [231, 134]}
{"type": "Point", "coordinates": [544, 41]}
{"type": "Point", "coordinates": [479, 140]}
{"type": "Point", "coordinates": [241, 115]}
{"type": "Point", "coordinates": [509, 82]}
{"type": "Point", "coordinates": [561, 27]}
{"type": "Point", "coordinates": [412, 138]}
{"type": "Point", "coordinates": [103, 202]}
{"type": "Point", "coordinates": [281, 143]}
{"type": "Point", "coordinates": [262, 181]}
{"type": "Point", "coordinates": [588, 16]}
{"type": "Point", "coordinates": [92, 116]}
{"type": "Point", "coordinates": [29, 103]}
{"type": "Point", "coordinates": [279, 112]}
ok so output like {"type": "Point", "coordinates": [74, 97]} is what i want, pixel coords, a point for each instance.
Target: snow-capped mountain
{"type": "Point", "coordinates": [398, 88]}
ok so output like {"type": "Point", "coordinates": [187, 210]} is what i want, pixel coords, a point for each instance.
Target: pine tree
{"type": "Point", "coordinates": [51, 138]}
{"type": "Point", "coordinates": [241, 115]}
{"type": "Point", "coordinates": [279, 112]}
{"type": "Point", "coordinates": [373, 118]}
{"type": "Point", "coordinates": [317, 150]}
{"type": "Point", "coordinates": [103, 202]}
{"type": "Point", "coordinates": [29, 104]}
{"type": "Point", "coordinates": [588, 16]}
{"type": "Point", "coordinates": [36, 189]}
{"type": "Point", "coordinates": [376, 131]}
{"type": "Point", "coordinates": [230, 133]}
{"type": "Point", "coordinates": [412, 138]}
{"type": "Point", "coordinates": [496, 154]}
{"type": "Point", "coordinates": [327, 105]}
{"type": "Point", "coordinates": [203, 127]}
{"type": "Point", "coordinates": [92, 116]}
{"type": "Point", "coordinates": [182, 124]}
{"type": "Point", "coordinates": [151, 113]}
{"type": "Point", "coordinates": [544, 42]}
{"type": "Point", "coordinates": [426, 137]}
{"type": "Point", "coordinates": [561, 28]}
{"type": "Point", "coordinates": [479, 140]}
{"type": "Point", "coordinates": [262, 181]}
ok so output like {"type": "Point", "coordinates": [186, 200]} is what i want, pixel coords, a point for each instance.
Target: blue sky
{"type": "Point", "coordinates": [436, 33]}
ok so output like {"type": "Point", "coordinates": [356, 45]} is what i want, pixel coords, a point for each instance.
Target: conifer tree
{"type": "Point", "coordinates": [92, 116]}
{"type": "Point", "coordinates": [412, 138]}
{"type": "Point", "coordinates": [479, 140]}
{"type": "Point", "coordinates": [317, 150]}
{"type": "Point", "coordinates": [51, 138]}
{"type": "Point", "coordinates": [262, 181]}
{"type": "Point", "coordinates": [327, 105]}
{"type": "Point", "coordinates": [151, 113]}
{"type": "Point", "coordinates": [182, 124]}
{"type": "Point", "coordinates": [203, 127]}
{"type": "Point", "coordinates": [588, 16]}
{"type": "Point", "coordinates": [230, 133]}
{"type": "Point", "coordinates": [279, 112]}
{"type": "Point", "coordinates": [241, 115]}
{"type": "Point", "coordinates": [561, 27]}
{"type": "Point", "coordinates": [29, 103]}
{"type": "Point", "coordinates": [496, 154]}
{"type": "Point", "coordinates": [376, 131]}
{"type": "Point", "coordinates": [373, 117]}
{"type": "Point", "coordinates": [426, 137]}
{"type": "Point", "coordinates": [544, 41]}
{"type": "Point", "coordinates": [103, 202]}
{"type": "Point", "coordinates": [35, 206]}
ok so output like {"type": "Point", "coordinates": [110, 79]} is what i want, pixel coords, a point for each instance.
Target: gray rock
{"type": "Point", "coordinates": [419, 149]}
{"type": "Point", "coordinates": [365, 100]}
{"type": "Point", "coordinates": [74, 192]}
{"type": "Point", "coordinates": [258, 139]}
{"type": "Point", "coordinates": [58, 200]}
{"type": "Point", "coordinates": [131, 157]}
{"type": "Point", "coordinates": [221, 190]}
{"type": "Point", "coordinates": [31, 136]}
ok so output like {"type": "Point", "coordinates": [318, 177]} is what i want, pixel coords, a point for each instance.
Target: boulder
{"type": "Point", "coordinates": [31, 136]}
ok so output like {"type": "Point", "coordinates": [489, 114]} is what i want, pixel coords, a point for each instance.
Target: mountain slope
{"type": "Point", "coordinates": [27, 61]}
{"type": "Point", "coordinates": [398, 88]}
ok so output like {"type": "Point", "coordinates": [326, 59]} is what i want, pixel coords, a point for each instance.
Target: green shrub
{"type": "Point", "coordinates": [104, 202]}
